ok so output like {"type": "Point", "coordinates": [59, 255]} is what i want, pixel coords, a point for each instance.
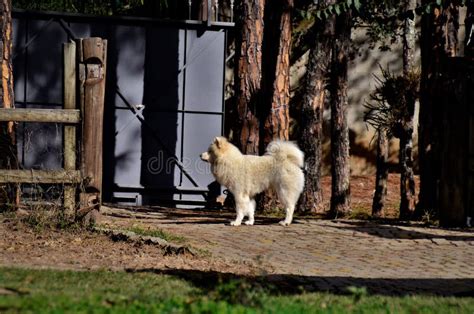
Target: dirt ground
{"type": "Point", "coordinates": [88, 250]}
{"type": "Point", "coordinates": [21, 245]}
{"type": "Point", "coordinates": [362, 191]}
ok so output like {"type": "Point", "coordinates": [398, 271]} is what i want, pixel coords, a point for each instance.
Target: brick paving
{"type": "Point", "coordinates": [329, 255]}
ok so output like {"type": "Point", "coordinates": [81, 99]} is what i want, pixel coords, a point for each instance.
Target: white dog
{"type": "Point", "coordinates": [247, 175]}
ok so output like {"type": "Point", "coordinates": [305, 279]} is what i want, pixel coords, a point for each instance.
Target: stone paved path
{"type": "Point", "coordinates": [328, 255]}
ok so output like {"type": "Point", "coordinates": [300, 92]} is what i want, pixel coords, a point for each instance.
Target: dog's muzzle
{"type": "Point", "coordinates": [205, 156]}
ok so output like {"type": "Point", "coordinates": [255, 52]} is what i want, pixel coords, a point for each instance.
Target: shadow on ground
{"type": "Point", "coordinates": [396, 232]}
{"type": "Point", "coordinates": [293, 284]}
{"type": "Point", "coordinates": [203, 216]}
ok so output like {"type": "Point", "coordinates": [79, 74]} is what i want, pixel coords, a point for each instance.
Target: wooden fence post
{"type": "Point", "coordinates": [69, 130]}
{"type": "Point", "coordinates": [92, 53]}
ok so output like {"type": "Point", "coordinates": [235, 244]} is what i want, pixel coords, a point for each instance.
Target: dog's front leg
{"type": "Point", "coordinates": [238, 219]}
{"type": "Point", "coordinates": [240, 206]}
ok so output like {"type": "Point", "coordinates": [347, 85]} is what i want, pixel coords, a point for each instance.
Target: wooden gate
{"type": "Point", "coordinates": [81, 117]}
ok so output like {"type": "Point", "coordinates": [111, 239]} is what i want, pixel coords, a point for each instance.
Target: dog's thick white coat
{"type": "Point", "coordinates": [247, 175]}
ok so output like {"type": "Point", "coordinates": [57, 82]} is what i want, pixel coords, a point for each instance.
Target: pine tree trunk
{"type": "Point", "coordinates": [451, 12]}
{"type": "Point", "coordinates": [438, 38]}
{"type": "Point", "coordinates": [8, 158]}
{"type": "Point", "coordinates": [276, 71]}
{"type": "Point", "coordinates": [469, 35]}
{"type": "Point", "coordinates": [426, 132]}
{"type": "Point", "coordinates": [311, 123]}
{"type": "Point", "coordinates": [409, 40]}
{"type": "Point", "coordinates": [381, 175]}
{"type": "Point", "coordinates": [340, 163]}
{"type": "Point", "coordinates": [407, 180]}
{"type": "Point", "coordinates": [248, 75]}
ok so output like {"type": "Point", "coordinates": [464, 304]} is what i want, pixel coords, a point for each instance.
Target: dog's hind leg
{"type": "Point", "coordinates": [289, 215]}
{"type": "Point", "coordinates": [251, 212]}
{"type": "Point", "coordinates": [289, 201]}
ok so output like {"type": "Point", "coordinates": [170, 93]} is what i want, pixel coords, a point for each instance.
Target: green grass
{"type": "Point", "coordinates": [49, 291]}
{"type": "Point", "coordinates": [359, 213]}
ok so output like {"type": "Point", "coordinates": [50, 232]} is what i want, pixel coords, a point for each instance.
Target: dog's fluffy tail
{"type": "Point", "coordinates": [286, 150]}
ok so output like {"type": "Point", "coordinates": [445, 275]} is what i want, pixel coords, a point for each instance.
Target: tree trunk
{"type": "Point", "coordinates": [340, 162]}
{"type": "Point", "coordinates": [277, 70]}
{"type": "Point", "coordinates": [8, 158]}
{"type": "Point", "coordinates": [314, 97]}
{"type": "Point", "coordinates": [469, 35]}
{"type": "Point", "coordinates": [276, 82]}
{"type": "Point", "coordinates": [451, 13]}
{"type": "Point", "coordinates": [381, 175]}
{"type": "Point", "coordinates": [407, 180]}
{"type": "Point", "coordinates": [438, 36]}
{"type": "Point", "coordinates": [248, 75]}
{"type": "Point", "coordinates": [409, 40]}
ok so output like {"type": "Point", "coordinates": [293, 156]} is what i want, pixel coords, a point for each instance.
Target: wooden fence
{"type": "Point", "coordinates": [84, 67]}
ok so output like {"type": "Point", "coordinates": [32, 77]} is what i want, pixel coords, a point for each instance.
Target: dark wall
{"type": "Point", "coordinates": [171, 76]}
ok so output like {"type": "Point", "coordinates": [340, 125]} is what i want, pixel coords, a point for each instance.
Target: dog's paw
{"type": "Point", "coordinates": [284, 223]}
{"type": "Point", "coordinates": [248, 223]}
{"type": "Point", "coordinates": [234, 223]}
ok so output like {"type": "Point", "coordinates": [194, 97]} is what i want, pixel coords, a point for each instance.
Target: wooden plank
{"type": "Point", "coordinates": [40, 176]}
{"type": "Point", "coordinates": [40, 115]}
{"type": "Point", "coordinates": [70, 75]}
{"type": "Point", "coordinates": [70, 130]}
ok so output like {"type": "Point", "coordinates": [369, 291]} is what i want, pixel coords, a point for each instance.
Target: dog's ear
{"type": "Point", "coordinates": [218, 141]}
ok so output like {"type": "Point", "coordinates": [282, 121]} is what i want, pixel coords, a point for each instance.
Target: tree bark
{"type": "Point", "coordinates": [340, 163]}
{"type": "Point", "coordinates": [469, 35]}
{"type": "Point", "coordinates": [438, 35]}
{"type": "Point", "coordinates": [451, 13]}
{"type": "Point", "coordinates": [8, 158]}
{"type": "Point", "coordinates": [409, 40]}
{"type": "Point", "coordinates": [407, 180]}
{"type": "Point", "coordinates": [314, 97]}
{"type": "Point", "coordinates": [381, 175]}
{"type": "Point", "coordinates": [275, 115]}
{"type": "Point", "coordinates": [248, 75]}
{"type": "Point", "coordinates": [277, 47]}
